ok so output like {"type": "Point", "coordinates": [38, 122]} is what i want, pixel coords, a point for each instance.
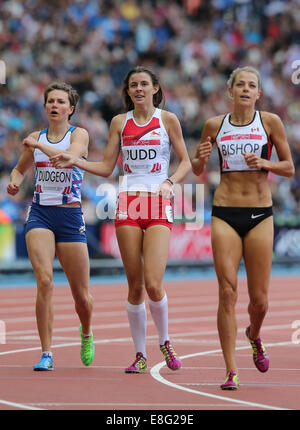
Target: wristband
{"type": "Point", "coordinates": [170, 181]}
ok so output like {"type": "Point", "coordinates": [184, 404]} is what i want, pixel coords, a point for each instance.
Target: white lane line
{"type": "Point", "coordinates": [205, 318]}
{"type": "Point", "coordinates": [20, 405]}
{"type": "Point", "coordinates": [120, 325]}
{"type": "Point", "coordinates": [173, 309]}
{"type": "Point", "coordinates": [159, 405]}
{"type": "Point", "coordinates": [155, 373]}
{"type": "Point", "coordinates": [65, 345]}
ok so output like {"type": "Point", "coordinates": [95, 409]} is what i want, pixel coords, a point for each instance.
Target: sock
{"type": "Point", "coordinates": [49, 353]}
{"type": "Point", "coordinates": [86, 336]}
{"type": "Point", "coordinates": [137, 318]}
{"type": "Point", "coordinates": [159, 312]}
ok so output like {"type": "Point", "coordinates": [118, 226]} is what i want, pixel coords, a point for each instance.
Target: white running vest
{"type": "Point", "coordinates": [145, 154]}
{"type": "Point", "coordinates": [234, 140]}
{"type": "Point", "coordinates": [55, 186]}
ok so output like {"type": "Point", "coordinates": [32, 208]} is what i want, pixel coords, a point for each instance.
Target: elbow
{"type": "Point", "coordinates": [291, 172]}
{"type": "Point", "coordinates": [188, 166]}
{"type": "Point", "coordinates": [107, 173]}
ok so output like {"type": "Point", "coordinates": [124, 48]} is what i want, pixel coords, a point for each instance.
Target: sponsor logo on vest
{"type": "Point", "coordinates": [127, 168]}
{"type": "Point", "coordinates": [156, 168]}
{"type": "Point", "coordinates": [225, 165]}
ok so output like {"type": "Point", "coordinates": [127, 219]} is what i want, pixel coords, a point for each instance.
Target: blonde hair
{"type": "Point", "coordinates": [236, 71]}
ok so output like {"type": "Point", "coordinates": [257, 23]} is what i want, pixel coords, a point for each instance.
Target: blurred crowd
{"type": "Point", "coordinates": [192, 45]}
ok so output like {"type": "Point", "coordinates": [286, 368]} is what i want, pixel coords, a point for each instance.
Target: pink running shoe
{"type": "Point", "coordinates": [260, 357]}
{"type": "Point", "coordinates": [139, 365]}
{"type": "Point", "coordinates": [231, 381]}
{"type": "Point", "coordinates": [170, 356]}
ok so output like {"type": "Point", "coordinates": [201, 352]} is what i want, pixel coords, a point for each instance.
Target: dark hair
{"type": "Point", "coordinates": [157, 97]}
{"type": "Point", "coordinates": [63, 86]}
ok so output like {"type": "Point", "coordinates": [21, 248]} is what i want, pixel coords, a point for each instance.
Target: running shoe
{"type": "Point", "coordinates": [87, 350]}
{"type": "Point", "coordinates": [170, 356]}
{"type": "Point", "coordinates": [231, 381]}
{"type": "Point", "coordinates": [260, 357]}
{"type": "Point", "coordinates": [139, 365]}
{"type": "Point", "coordinates": [45, 363]}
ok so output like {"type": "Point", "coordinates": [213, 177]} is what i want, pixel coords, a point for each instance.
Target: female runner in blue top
{"type": "Point", "coordinates": [55, 221]}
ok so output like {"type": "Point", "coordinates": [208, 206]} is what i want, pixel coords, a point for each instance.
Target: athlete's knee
{"type": "Point", "coordinates": [136, 293]}
{"type": "Point", "coordinates": [228, 292]}
{"type": "Point", "coordinates": [154, 289]}
{"type": "Point", "coordinates": [44, 284]}
{"type": "Point", "coordinates": [258, 305]}
{"type": "Point", "coordinates": [83, 300]}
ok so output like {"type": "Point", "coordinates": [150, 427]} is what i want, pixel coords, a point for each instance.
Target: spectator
{"type": "Point", "coordinates": [193, 46]}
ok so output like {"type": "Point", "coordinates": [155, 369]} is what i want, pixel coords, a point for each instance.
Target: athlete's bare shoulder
{"type": "Point", "coordinates": [166, 115]}
{"type": "Point", "coordinates": [35, 134]}
{"type": "Point", "coordinates": [271, 122]}
{"type": "Point", "coordinates": [80, 131]}
{"type": "Point", "coordinates": [269, 117]}
{"type": "Point", "coordinates": [215, 121]}
{"type": "Point", "coordinates": [212, 126]}
{"type": "Point", "coordinates": [80, 139]}
{"type": "Point", "coordinates": [170, 120]}
{"type": "Point", "coordinates": [118, 121]}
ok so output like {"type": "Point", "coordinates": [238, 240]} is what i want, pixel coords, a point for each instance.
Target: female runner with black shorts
{"type": "Point", "coordinates": [242, 221]}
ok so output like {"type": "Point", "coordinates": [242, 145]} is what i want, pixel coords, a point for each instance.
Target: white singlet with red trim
{"type": "Point", "coordinates": [234, 140]}
{"type": "Point", "coordinates": [145, 154]}
{"type": "Point", "coordinates": [55, 186]}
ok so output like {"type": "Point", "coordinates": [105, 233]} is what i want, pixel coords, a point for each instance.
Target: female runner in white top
{"type": "Point", "coordinates": [242, 221]}
{"type": "Point", "coordinates": [144, 248]}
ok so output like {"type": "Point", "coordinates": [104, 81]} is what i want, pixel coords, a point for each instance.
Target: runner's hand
{"type": "Point", "coordinates": [63, 160]}
{"type": "Point", "coordinates": [166, 190]}
{"type": "Point", "coordinates": [204, 150]}
{"type": "Point", "coordinates": [12, 188]}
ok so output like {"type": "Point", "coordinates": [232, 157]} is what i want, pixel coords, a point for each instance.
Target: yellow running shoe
{"type": "Point", "coordinates": [87, 350]}
{"type": "Point", "coordinates": [139, 365]}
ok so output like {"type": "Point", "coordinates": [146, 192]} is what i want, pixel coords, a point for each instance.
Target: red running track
{"type": "Point", "coordinates": [192, 321]}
